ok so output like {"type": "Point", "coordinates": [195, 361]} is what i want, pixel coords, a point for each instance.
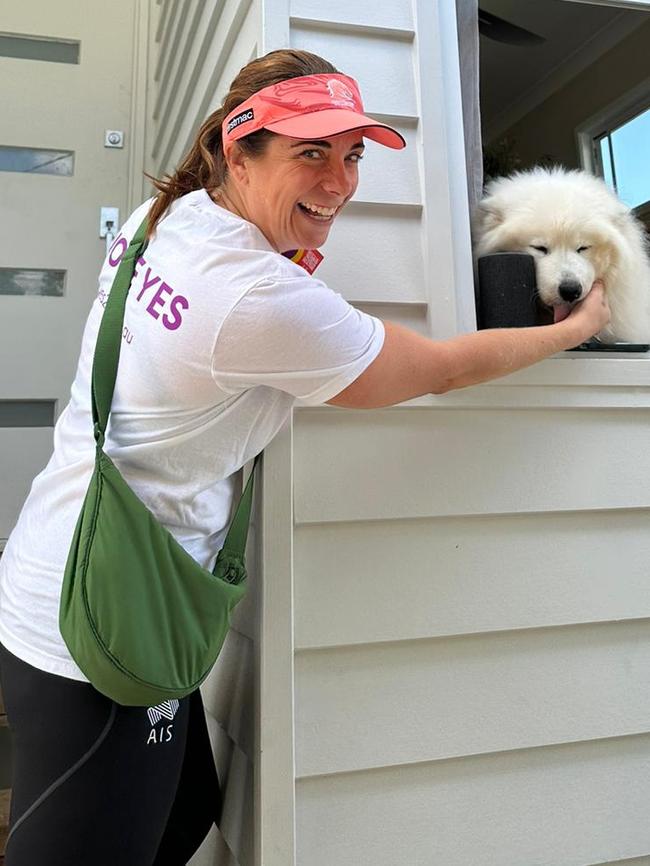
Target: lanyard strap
{"type": "Point", "coordinates": [104, 373]}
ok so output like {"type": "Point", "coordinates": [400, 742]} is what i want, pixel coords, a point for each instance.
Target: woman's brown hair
{"type": "Point", "coordinates": [204, 167]}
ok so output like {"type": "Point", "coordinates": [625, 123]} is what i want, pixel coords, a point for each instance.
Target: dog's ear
{"type": "Point", "coordinates": [488, 216]}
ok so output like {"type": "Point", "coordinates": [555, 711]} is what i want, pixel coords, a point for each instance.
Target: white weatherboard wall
{"type": "Point", "coordinates": [444, 660]}
{"type": "Point", "coordinates": [472, 643]}
{"type": "Point", "coordinates": [471, 585]}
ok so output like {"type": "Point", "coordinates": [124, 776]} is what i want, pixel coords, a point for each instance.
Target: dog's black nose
{"type": "Point", "coordinates": [569, 290]}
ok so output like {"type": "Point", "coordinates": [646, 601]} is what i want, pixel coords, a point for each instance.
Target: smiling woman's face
{"type": "Point", "coordinates": [295, 190]}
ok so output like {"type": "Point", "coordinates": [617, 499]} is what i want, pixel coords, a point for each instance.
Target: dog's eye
{"type": "Point", "coordinates": [582, 249]}
{"type": "Point", "coordinates": [540, 249]}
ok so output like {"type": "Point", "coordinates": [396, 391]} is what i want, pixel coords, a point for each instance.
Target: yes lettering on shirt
{"type": "Point", "coordinates": [161, 301]}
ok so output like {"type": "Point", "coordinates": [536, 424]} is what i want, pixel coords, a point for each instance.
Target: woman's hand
{"type": "Point", "coordinates": [590, 315]}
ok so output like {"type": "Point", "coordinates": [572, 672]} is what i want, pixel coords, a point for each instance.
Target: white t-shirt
{"type": "Point", "coordinates": [222, 337]}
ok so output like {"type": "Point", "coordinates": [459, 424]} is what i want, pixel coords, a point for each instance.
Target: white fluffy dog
{"type": "Point", "coordinates": [577, 230]}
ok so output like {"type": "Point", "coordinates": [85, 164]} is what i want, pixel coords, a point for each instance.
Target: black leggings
{"type": "Point", "coordinates": [98, 784]}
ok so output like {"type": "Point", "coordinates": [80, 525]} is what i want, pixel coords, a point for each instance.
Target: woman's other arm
{"type": "Point", "coordinates": [410, 365]}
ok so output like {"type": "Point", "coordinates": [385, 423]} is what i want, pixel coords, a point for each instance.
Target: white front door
{"type": "Point", "coordinates": [66, 77]}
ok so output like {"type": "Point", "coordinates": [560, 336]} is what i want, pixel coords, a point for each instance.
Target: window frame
{"type": "Point", "coordinates": [605, 121]}
{"type": "Point", "coordinates": [633, 5]}
{"type": "Point", "coordinates": [635, 102]}
{"type": "Point", "coordinates": [69, 50]}
{"type": "Point", "coordinates": [618, 112]}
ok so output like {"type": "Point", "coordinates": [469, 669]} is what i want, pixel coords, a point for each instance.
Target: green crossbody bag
{"type": "Point", "coordinates": [141, 618]}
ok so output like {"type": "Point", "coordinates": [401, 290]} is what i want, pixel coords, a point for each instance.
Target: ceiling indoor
{"type": "Point", "coordinates": [515, 78]}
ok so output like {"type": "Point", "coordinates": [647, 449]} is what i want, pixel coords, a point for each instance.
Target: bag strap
{"type": "Point", "coordinates": [109, 336]}
{"type": "Point", "coordinates": [104, 373]}
{"type": "Point", "coordinates": [234, 545]}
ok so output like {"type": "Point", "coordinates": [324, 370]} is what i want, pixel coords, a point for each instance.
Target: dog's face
{"type": "Point", "coordinates": [573, 239]}
{"type": "Point", "coordinates": [566, 262]}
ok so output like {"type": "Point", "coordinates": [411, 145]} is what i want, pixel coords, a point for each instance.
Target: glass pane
{"type": "Point", "coordinates": [39, 48]}
{"type": "Point", "coordinates": [41, 161]}
{"type": "Point", "coordinates": [606, 161]}
{"type": "Point", "coordinates": [631, 147]}
{"type": "Point", "coordinates": [27, 413]}
{"type": "Point", "coordinates": [30, 281]}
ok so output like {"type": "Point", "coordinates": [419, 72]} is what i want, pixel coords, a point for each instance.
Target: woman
{"type": "Point", "coordinates": [223, 334]}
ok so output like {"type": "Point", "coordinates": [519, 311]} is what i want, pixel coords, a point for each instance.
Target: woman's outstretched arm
{"type": "Point", "coordinates": [410, 365]}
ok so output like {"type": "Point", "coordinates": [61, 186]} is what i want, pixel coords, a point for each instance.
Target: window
{"type": "Point", "coordinates": [36, 160]}
{"type": "Point", "coordinates": [39, 48]}
{"type": "Point", "coordinates": [614, 144]}
{"type": "Point", "coordinates": [31, 281]}
{"type": "Point", "coordinates": [27, 413]}
{"type": "Point", "coordinates": [622, 159]}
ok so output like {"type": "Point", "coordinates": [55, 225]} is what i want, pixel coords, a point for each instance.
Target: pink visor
{"type": "Point", "coordinates": [309, 107]}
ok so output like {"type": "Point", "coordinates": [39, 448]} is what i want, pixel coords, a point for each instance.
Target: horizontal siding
{"type": "Point", "coordinates": [472, 631]}
{"type": "Point", "coordinates": [471, 603]}
{"type": "Point", "coordinates": [386, 211]}
{"type": "Point", "coordinates": [568, 805]}
{"type": "Point", "coordinates": [428, 462]}
{"type": "Point", "coordinates": [367, 57]}
{"type": "Point", "coordinates": [215, 38]}
{"type": "Point", "coordinates": [397, 15]}
{"type": "Point", "coordinates": [241, 40]}
{"type": "Point", "coordinates": [375, 45]}
{"type": "Point", "coordinates": [411, 315]}
{"type": "Point", "coordinates": [163, 16]}
{"type": "Point", "coordinates": [176, 42]}
{"type": "Point", "coordinates": [376, 706]}
{"type": "Point", "coordinates": [388, 176]}
{"type": "Point", "coordinates": [409, 579]}
{"type": "Point", "coordinates": [355, 240]}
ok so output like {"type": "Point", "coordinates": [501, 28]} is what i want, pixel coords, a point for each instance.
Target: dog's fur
{"type": "Point", "coordinates": [587, 233]}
